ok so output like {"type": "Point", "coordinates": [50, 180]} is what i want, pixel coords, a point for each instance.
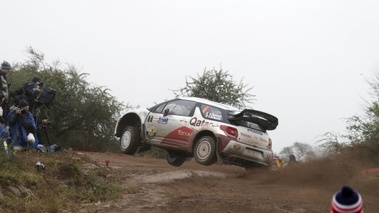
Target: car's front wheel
{"type": "Point", "coordinates": [205, 150]}
{"type": "Point", "coordinates": [130, 140]}
{"type": "Point", "coordinates": [175, 158]}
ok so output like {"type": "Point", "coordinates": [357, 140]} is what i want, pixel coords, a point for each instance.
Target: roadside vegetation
{"type": "Point", "coordinates": [83, 117]}
{"type": "Point", "coordinates": [362, 138]}
{"type": "Point", "coordinates": [63, 181]}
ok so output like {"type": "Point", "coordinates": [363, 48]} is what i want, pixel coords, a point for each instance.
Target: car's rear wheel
{"type": "Point", "coordinates": [205, 151]}
{"type": "Point", "coordinates": [130, 140]}
{"type": "Point", "coordinates": [175, 158]}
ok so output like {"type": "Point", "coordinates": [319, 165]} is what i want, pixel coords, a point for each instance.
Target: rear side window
{"type": "Point", "coordinates": [211, 112]}
{"type": "Point", "coordinates": [180, 107]}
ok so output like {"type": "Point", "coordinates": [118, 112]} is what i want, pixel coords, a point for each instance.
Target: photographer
{"type": "Point", "coordinates": [42, 124]}
{"type": "Point", "coordinates": [22, 127]}
{"type": "Point", "coordinates": [4, 135]}
{"type": "Point", "coordinates": [4, 88]}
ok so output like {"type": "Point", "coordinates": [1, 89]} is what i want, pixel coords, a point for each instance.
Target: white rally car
{"type": "Point", "coordinates": [207, 131]}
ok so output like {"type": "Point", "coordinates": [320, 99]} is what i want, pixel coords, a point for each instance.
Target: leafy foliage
{"type": "Point", "coordinates": [362, 130]}
{"type": "Point", "coordinates": [365, 128]}
{"type": "Point", "coordinates": [218, 86]}
{"type": "Point", "coordinates": [302, 151]}
{"type": "Point", "coordinates": [83, 116]}
{"type": "Point", "coordinates": [330, 143]}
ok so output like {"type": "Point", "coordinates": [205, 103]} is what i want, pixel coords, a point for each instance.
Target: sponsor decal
{"type": "Point", "coordinates": [245, 135]}
{"type": "Point", "coordinates": [151, 131]}
{"type": "Point", "coordinates": [163, 120]}
{"type": "Point", "coordinates": [237, 147]}
{"type": "Point", "coordinates": [184, 133]}
{"type": "Point", "coordinates": [199, 122]}
{"type": "Point", "coordinates": [263, 140]}
{"type": "Point", "coordinates": [150, 118]}
{"type": "Point", "coordinates": [213, 116]}
{"type": "Point", "coordinates": [254, 131]}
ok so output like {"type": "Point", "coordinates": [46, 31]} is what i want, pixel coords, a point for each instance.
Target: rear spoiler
{"type": "Point", "coordinates": [264, 120]}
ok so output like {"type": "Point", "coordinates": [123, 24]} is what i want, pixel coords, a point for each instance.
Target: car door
{"type": "Point", "coordinates": [168, 125]}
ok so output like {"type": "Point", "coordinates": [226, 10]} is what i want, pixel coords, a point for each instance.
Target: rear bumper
{"type": "Point", "coordinates": [239, 150]}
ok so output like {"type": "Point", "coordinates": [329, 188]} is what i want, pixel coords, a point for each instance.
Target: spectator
{"type": "Point", "coordinates": [347, 200]}
{"type": "Point", "coordinates": [4, 135]}
{"type": "Point", "coordinates": [23, 127]}
{"type": "Point", "coordinates": [4, 90]}
{"type": "Point", "coordinates": [12, 108]}
{"type": "Point", "coordinates": [30, 91]}
{"type": "Point", "coordinates": [41, 124]}
{"type": "Point", "coordinates": [293, 158]}
{"type": "Point", "coordinates": [279, 163]}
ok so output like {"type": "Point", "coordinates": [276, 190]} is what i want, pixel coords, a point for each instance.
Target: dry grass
{"type": "Point", "coordinates": [68, 182]}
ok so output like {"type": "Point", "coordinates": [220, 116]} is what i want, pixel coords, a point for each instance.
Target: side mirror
{"type": "Point", "coordinates": [166, 112]}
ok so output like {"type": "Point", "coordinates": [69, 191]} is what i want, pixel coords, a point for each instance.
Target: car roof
{"type": "Point", "coordinates": [205, 101]}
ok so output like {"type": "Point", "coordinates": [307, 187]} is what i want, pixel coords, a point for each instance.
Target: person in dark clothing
{"type": "Point", "coordinates": [293, 158]}
{"type": "Point", "coordinates": [4, 135]}
{"type": "Point", "coordinates": [347, 200]}
{"type": "Point", "coordinates": [4, 89]}
{"type": "Point", "coordinates": [32, 91]}
{"type": "Point", "coordinates": [22, 127]}
{"type": "Point", "coordinates": [41, 124]}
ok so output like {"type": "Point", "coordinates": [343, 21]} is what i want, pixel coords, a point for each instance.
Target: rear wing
{"type": "Point", "coordinates": [264, 120]}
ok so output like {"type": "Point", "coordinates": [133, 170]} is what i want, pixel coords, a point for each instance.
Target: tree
{"type": "Point", "coordinates": [83, 116]}
{"type": "Point", "coordinates": [302, 151]}
{"type": "Point", "coordinates": [366, 128]}
{"type": "Point", "coordinates": [218, 86]}
{"type": "Point", "coordinates": [329, 143]}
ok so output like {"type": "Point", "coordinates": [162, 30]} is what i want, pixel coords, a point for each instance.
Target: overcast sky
{"type": "Point", "coordinates": [307, 60]}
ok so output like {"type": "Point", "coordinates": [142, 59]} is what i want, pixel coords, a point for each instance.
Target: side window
{"type": "Point", "coordinates": [159, 109]}
{"type": "Point", "coordinates": [211, 112]}
{"type": "Point", "coordinates": [180, 107]}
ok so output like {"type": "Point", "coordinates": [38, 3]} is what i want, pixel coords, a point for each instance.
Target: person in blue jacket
{"type": "Point", "coordinates": [4, 135]}
{"type": "Point", "coordinates": [22, 127]}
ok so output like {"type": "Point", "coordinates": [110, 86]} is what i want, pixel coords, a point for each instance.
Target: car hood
{"type": "Point", "coordinates": [263, 119]}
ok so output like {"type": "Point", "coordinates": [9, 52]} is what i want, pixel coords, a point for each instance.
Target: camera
{"type": "Point", "coordinates": [40, 166]}
{"type": "Point", "coordinates": [24, 110]}
{"type": "Point", "coordinates": [45, 122]}
{"type": "Point", "coordinates": [20, 110]}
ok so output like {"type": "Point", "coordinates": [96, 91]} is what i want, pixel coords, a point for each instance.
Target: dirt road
{"type": "Point", "coordinates": [151, 185]}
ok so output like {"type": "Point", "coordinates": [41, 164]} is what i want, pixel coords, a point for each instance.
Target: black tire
{"type": "Point", "coordinates": [205, 151]}
{"type": "Point", "coordinates": [130, 140]}
{"type": "Point", "coordinates": [175, 158]}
